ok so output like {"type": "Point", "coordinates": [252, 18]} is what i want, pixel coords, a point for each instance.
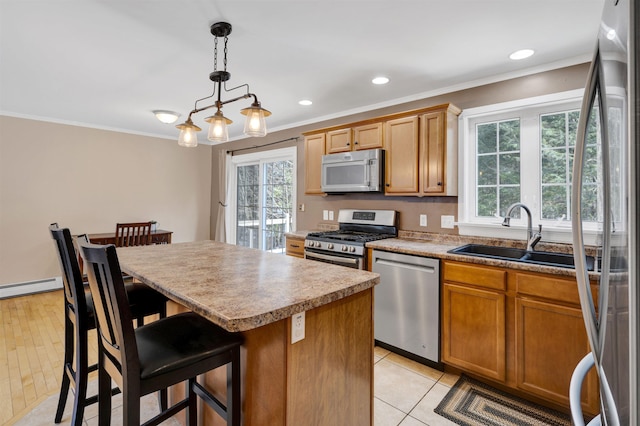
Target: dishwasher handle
{"type": "Point", "coordinates": [405, 265]}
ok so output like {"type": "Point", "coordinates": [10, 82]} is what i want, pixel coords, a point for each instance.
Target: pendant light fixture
{"type": "Point", "coordinates": [255, 124]}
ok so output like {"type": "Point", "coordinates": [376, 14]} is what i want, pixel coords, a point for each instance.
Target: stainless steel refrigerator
{"type": "Point", "coordinates": [605, 207]}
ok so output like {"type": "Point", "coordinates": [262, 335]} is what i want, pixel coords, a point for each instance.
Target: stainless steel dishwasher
{"type": "Point", "coordinates": [407, 303]}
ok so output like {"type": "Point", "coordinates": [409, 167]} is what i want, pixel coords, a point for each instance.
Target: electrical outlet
{"type": "Point", "coordinates": [423, 220]}
{"type": "Point", "coordinates": [325, 214]}
{"type": "Point", "coordinates": [330, 214]}
{"type": "Point", "coordinates": [297, 327]}
{"type": "Point", "coordinates": [301, 207]}
{"type": "Point", "coordinates": [447, 222]}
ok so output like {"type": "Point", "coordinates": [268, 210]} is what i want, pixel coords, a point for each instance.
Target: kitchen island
{"type": "Point", "coordinates": [325, 378]}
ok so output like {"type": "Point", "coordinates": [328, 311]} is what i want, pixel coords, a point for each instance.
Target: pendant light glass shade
{"type": "Point", "coordinates": [188, 134]}
{"type": "Point", "coordinates": [255, 125]}
{"type": "Point", "coordinates": [218, 131]}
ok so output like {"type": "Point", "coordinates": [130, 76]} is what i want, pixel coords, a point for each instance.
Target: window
{"type": "Point", "coordinates": [523, 152]}
{"type": "Point", "coordinates": [262, 204]}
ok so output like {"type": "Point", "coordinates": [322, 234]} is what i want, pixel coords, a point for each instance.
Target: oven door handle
{"type": "Point", "coordinates": [337, 259]}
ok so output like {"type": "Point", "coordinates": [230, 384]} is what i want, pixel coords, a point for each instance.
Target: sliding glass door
{"type": "Point", "coordinates": [264, 207]}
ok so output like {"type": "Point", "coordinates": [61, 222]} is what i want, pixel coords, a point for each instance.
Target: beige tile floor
{"type": "Point", "coordinates": [406, 392]}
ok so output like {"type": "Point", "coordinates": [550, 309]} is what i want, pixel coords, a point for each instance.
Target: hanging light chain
{"type": "Point", "coordinates": [226, 39]}
{"type": "Point", "coordinates": [215, 54]}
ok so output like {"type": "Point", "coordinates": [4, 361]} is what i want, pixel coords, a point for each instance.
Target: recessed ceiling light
{"type": "Point", "coordinates": [305, 102]}
{"type": "Point", "coordinates": [166, 117]}
{"type": "Point", "coordinates": [521, 54]}
{"type": "Point", "coordinates": [380, 80]}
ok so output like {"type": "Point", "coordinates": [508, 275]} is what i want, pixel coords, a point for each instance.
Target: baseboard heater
{"type": "Point", "coordinates": [30, 287]}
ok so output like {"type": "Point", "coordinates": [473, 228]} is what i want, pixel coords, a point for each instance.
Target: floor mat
{"type": "Point", "coordinates": [472, 403]}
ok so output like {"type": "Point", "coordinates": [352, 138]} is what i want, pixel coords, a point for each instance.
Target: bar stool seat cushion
{"type": "Point", "coordinates": [143, 300]}
{"type": "Point", "coordinates": [179, 341]}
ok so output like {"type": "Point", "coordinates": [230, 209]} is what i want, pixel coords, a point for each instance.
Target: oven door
{"type": "Point", "coordinates": [350, 261]}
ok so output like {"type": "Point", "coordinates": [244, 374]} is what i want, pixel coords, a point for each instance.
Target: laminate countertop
{"type": "Point", "coordinates": [239, 288]}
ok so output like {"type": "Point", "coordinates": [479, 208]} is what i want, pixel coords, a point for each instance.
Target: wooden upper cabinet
{"type": "Point", "coordinates": [314, 149]}
{"type": "Point", "coordinates": [369, 136]}
{"type": "Point", "coordinates": [421, 157]}
{"type": "Point", "coordinates": [420, 150]}
{"type": "Point", "coordinates": [401, 161]}
{"type": "Point", "coordinates": [438, 152]}
{"type": "Point", "coordinates": [339, 141]}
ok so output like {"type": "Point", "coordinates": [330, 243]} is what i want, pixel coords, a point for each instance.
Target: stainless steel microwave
{"type": "Point", "coordinates": [356, 171]}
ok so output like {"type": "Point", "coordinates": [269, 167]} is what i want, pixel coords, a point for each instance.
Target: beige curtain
{"type": "Point", "coordinates": [224, 159]}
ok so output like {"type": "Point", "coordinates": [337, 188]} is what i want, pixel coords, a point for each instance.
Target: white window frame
{"type": "Point", "coordinates": [290, 153]}
{"type": "Point", "coordinates": [525, 110]}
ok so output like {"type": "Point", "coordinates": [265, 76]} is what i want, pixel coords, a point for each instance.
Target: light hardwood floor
{"type": "Point", "coordinates": [31, 356]}
{"type": "Point", "coordinates": [31, 351]}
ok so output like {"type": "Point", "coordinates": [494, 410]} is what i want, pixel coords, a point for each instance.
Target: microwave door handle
{"type": "Point", "coordinates": [367, 173]}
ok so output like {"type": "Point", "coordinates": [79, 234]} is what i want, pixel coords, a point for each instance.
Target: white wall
{"type": "Point", "coordinates": [87, 180]}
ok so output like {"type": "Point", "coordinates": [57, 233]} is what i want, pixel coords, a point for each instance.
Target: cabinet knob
{"type": "Point", "coordinates": [355, 143]}
{"type": "Point", "coordinates": [348, 144]}
{"type": "Point", "coordinates": [439, 183]}
{"type": "Point", "coordinates": [387, 184]}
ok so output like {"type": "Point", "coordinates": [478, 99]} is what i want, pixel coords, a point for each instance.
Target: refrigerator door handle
{"type": "Point", "coordinates": [595, 326]}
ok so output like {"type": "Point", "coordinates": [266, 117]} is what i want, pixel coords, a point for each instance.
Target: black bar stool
{"type": "Point", "coordinates": [80, 318]}
{"type": "Point", "coordinates": [157, 355]}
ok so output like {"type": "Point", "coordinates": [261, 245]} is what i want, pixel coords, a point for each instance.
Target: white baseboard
{"type": "Point", "coordinates": [30, 287]}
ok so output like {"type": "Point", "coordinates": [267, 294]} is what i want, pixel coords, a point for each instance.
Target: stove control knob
{"type": "Point", "coordinates": [352, 249]}
{"type": "Point", "coordinates": [344, 248]}
{"type": "Point", "coordinates": [313, 243]}
{"type": "Point", "coordinates": [330, 246]}
{"type": "Point", "coordinates": [318, 244]}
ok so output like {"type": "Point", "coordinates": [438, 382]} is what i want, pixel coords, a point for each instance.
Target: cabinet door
{"type": "Point", "coordinates": [401, 162]}
{"type": "Point", "coordinates": [338, 141]}
{"type": "Point", "coordinates": [368, 137]}
{"type": "Point", "coordinates": [550, 341]}
{"type": "Point", "coordinates": [432, 152]}
{"type": "Point", "coordinates": [314, 146]}
{"type": "Point", "coordinates": [473, 330]}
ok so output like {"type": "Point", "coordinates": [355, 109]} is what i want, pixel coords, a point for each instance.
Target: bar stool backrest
{"type": "Point", "coordinates": [113, 314]}
{"type": "Point", "coordinates": [71, 276]}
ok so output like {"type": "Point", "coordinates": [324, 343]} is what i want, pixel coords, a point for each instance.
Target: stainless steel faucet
{"type": "Point", "coordinates": [532, 239]}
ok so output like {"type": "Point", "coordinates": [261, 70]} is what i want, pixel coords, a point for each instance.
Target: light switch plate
{"type": "Point", "coordinates": [423, 220]}
{"type": "Point", "coordinates": [325, 214]}
{"type": "Point", "coordinates": [447, 221]}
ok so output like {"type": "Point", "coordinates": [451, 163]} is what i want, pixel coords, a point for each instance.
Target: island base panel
{"type": "Point", "coordinates": [325, 379]}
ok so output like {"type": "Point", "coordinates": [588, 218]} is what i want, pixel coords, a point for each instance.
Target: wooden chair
{"type": "Point", "coordinates": [157, 355]}
{"type": "Point", "coordinates": [80, 318]}
{"type": "Point", "coordinates": [133, 234]}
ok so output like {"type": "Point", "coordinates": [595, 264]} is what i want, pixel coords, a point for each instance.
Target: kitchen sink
{"type": "Point", "coordinates": [490, 251]}
{"type": "Point", "coordinates": [562, 260]}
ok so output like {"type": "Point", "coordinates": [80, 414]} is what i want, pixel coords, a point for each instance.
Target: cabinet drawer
{"type": "Point", "coordinates": [477, 275]}
{"type": "Point", "coordinates": [295, 247]}
{"type": "Point", "coordinates": [560, 289]}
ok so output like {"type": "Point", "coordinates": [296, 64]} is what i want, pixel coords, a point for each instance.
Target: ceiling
{"type": "Point", "coordinates": [108, 64]}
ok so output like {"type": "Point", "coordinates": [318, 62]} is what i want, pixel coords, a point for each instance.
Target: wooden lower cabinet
{"type": "Point", "coordinates": [295, 247]}
{"type": "Point", "coordinates": [522, 330]}
{"type": "Point", "coordinates": [474, 330]}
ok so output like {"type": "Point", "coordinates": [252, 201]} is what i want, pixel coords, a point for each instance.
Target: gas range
{"type": "Point", "coordinates": [356, 227]}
